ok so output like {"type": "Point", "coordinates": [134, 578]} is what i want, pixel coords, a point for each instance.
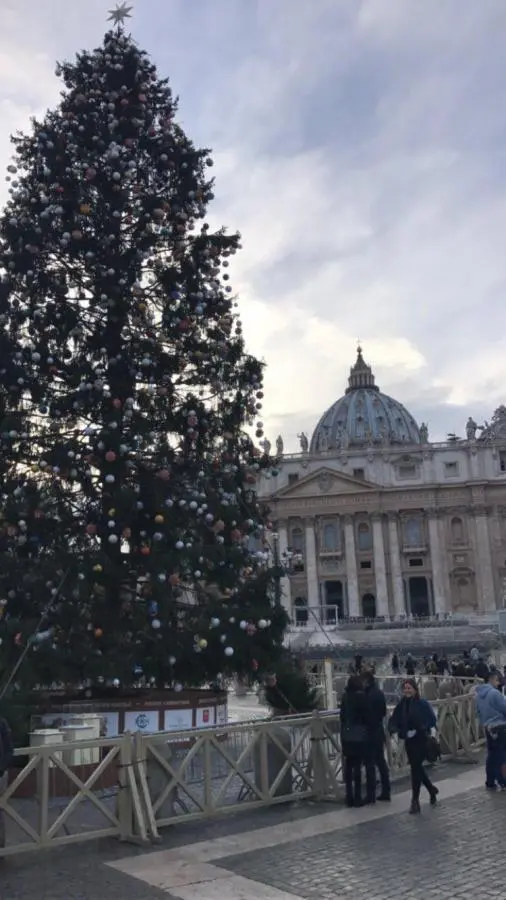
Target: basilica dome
{"type": "Point", "coordinates": [364, 416]}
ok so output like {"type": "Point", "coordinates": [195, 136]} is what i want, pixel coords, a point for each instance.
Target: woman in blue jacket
{"type": "Point", "coordinates": [412, 720]}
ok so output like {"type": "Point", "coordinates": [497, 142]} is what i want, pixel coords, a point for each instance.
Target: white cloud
{"type": "Point", "coordinates": [359, 150]}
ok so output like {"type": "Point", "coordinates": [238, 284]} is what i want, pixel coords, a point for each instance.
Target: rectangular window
{"type": "Point", "coordinates": [407, 470]}
{"type": "Point", "coordinates": [451, 469]}
{"type": "Point", "coordinates": [365, 564]}
{"type": "Point", "coordinates": [502, 460]}
{"type": "Point", "coordinates": [415, 562]}
{"type": "Point", "coordinates": [330, 538]}
{"type": "Point", "coordinates": [292, 477]}
{"type": "Point", "coordinates": [358, 473]}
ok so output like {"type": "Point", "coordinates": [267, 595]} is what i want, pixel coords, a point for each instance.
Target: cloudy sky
{"type": "Point", "coordinates": [360, 149]}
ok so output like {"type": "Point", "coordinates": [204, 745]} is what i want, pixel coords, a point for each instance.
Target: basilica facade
{"type": "Point", "coordinates": [373, 520]}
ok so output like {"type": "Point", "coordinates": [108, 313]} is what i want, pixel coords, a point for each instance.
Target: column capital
{"type": "Point", "coordinates": [433, 512]}
{"type": "Point", "coordinates": [377, 518]}
{"type": "Point", "coordinates": [347, 519]}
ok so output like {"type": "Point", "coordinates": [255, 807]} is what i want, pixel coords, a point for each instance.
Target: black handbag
{"type": "Point", "coordinates": [432, 749]}
{"type": "Point", "coordinates": [353, 734]}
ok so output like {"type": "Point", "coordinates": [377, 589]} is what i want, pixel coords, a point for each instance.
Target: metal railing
{"type": "Point", "coordinates": [139, 783]}
{"type": "Point", "coordinates": [328, 614]}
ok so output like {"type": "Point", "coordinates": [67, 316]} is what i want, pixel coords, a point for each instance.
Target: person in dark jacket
{"type": "Point", "coordinates": [395, 665]}
{"type": "Point", "coordinates": [410, 665]}
{"type": "Point", "coordinates": [481, 670]}
{"type": "Point", "coordinates": [6, 751]}
{"type": "Point", "coordinates": [354, 718]}
{"type": "Point", "coordinates": [377, 715]}
{"type": "Point", "coordinates": [413, 719]}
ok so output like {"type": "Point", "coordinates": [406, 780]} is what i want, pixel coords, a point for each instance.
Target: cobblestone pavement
{"type": "Point", "coordinates": [324, 866]}
{"type": "Point", "coordinates": [451, 852]}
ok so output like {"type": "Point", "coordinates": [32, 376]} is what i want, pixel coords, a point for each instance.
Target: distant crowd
{"type": "Point", "coordinates": [471, 665]}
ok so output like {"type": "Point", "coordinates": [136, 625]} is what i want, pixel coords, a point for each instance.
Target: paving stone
{"type": "Point", "coordinates": [78, 872]}
{"type": "Point", "coordinates": [451, 852]}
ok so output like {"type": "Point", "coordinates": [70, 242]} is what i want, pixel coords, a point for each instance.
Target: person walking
{"type": "Point", "coordinates": [6, 751]}
{"type": "Point", "coordinates": [396, 669]}
{"type": "Point", "coordinates": [354, 719]}
{"type": "Point", "coordinates": [413, 720]}
{"type": "Point", "coordinates": [410, 665]}
{"type": "Point", "coordinates": [377, 711]}
{"type": "Point", "coordinates": [491, 709]}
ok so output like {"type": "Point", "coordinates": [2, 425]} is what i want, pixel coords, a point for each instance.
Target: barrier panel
{"type": "Point", "coordinates": [49, 803]}
{"type": "Point", "coordinates": [137, 784]}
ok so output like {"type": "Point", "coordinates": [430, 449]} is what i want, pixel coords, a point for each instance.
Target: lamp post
{"type": "Point", "coordinates": [278, 572]}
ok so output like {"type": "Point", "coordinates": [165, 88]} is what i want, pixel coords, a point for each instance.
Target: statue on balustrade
{"type": "Point", "coordinates": [266, 444]}
{"type": "Point", "coordinates": [279, 446]}
{"type": "Point", "coordinates": [304, 443]}
{"type": "Point", "coordinates": [471, 429]}
{"type": "Point", "coordinates": [424, 433]}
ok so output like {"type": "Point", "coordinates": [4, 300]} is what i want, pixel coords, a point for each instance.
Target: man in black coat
{"type": "Point", "coordinates": [377, 708]}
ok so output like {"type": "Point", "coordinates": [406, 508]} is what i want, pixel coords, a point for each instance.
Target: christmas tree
{"type": "Point", "coordinates": [132, 545]}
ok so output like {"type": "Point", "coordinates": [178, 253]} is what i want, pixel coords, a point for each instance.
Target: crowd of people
{"type": "Point", "coordinates": [363, 717]}
{"type": "Point", "coordinates": [471, 665]}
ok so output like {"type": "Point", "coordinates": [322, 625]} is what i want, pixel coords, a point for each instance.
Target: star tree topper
{"type": "Point", "coordinates": [119, 14]}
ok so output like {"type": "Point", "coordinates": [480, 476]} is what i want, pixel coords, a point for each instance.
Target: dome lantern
{"type": "Point", "coordinates": [361, 375]}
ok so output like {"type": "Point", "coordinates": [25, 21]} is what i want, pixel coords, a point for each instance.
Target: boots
{"type": "Point", "coordinates": [414, 809]}
{"type": "Point", "coordinates": [433, 796]}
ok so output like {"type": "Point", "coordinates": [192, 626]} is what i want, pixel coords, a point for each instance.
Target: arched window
{"type": "Point", "coordinates": [413, 532]}
{"type": "Point", "coordinates": [457, 529]}
{"type": "Point", "coordinates": [329, 541]}
{"type": "Point", "coordinates": [297, 544]}
{"type": "Point", "coordinates": [364, 537]}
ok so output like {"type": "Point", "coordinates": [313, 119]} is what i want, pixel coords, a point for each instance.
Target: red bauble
{"type": "Point", "coordinates": [116, 403]}
{"type": "Point", "coordinates": [110, 456]}
{"type": "Point", "coordinates": [91, 529]}
{"type": "Point", "coordinates": [163, 474]}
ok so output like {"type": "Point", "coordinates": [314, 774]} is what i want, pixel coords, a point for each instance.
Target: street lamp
{"type": "Point", "coordinates": [278, 571]}
{"type": "Point", "coordinates": [284, 564]}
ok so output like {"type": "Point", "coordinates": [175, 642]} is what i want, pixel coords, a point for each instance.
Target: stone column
{"type": "Point", "coordinates": [395, 567]}
{"type": "Point", "coordinates": [486, 587]}
{"type": "Point", "coordinates": [351, 567]}
{"type": "Point", "coordinates": [380, 572]}
{"type": "Point", "coordinates": [286, 588]}
{"type": "Point", "coordinates": [311, 568]}
{"type": "Point", "coordinates": [438, 578]}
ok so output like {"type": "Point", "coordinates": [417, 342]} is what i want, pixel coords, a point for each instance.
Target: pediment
{"type": "Point", "coordinates": [325, 482]}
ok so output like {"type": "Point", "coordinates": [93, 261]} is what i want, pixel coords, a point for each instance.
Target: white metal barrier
{"type": "Point", "coordinates": [142, 783]}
